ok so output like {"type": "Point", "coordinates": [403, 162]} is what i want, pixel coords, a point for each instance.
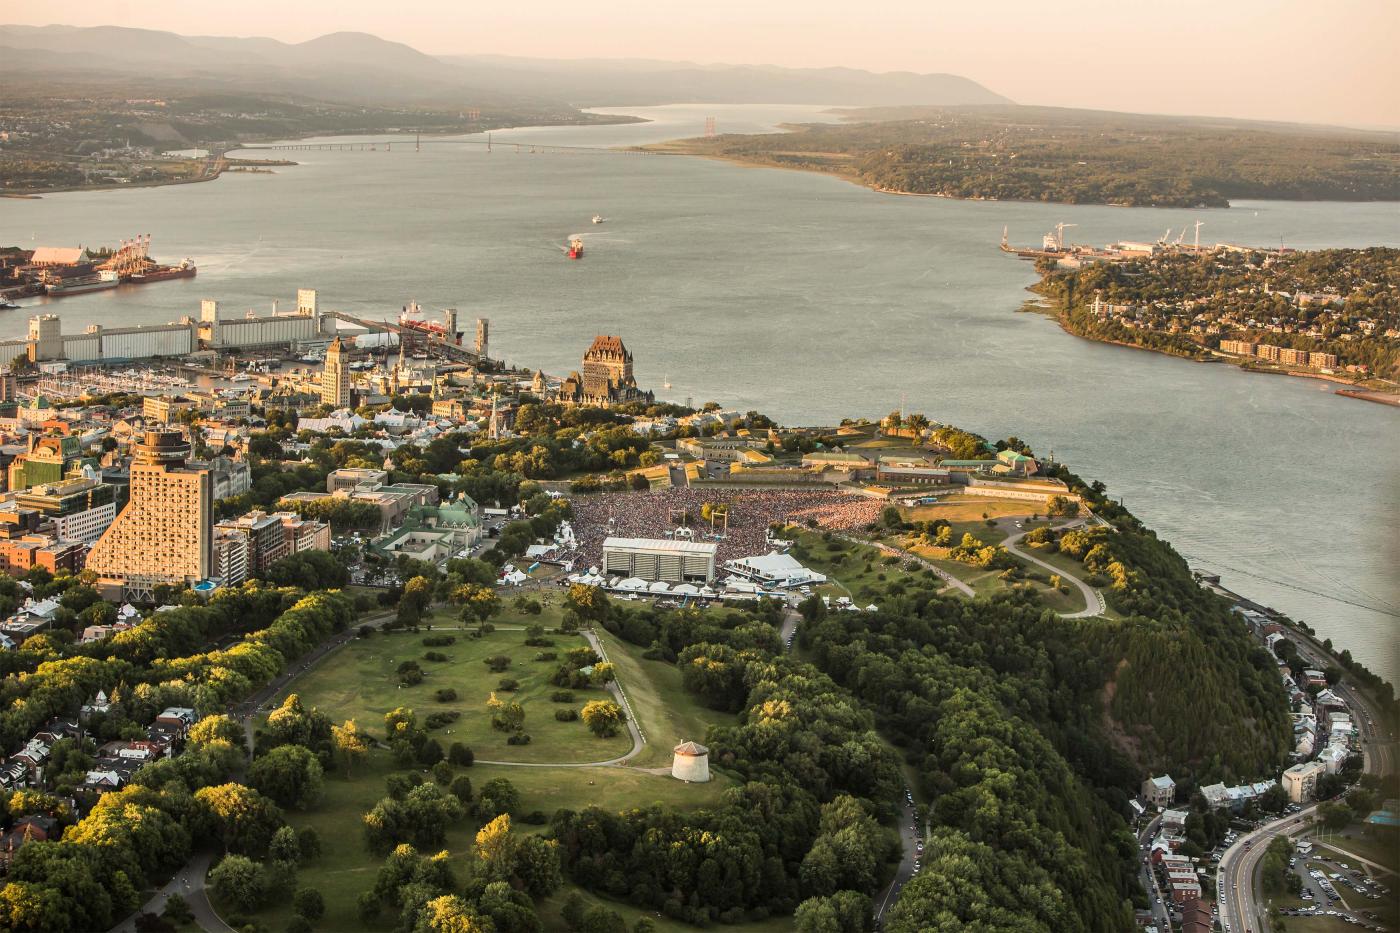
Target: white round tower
{"type": "Point", "coordinates": [691, 763]}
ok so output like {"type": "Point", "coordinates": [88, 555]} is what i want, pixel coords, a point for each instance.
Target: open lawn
{"type": "Point", "coordinates": [960, 508]}
{"type": "Point", "coordinates": [360, 682]}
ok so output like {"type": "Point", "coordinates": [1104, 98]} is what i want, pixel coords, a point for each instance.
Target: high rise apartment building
{"type": "Point", "coordinates": [164, 533]}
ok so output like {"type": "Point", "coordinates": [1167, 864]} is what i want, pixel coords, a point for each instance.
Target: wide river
{"type": "Point", "coordinates": [810, 299]}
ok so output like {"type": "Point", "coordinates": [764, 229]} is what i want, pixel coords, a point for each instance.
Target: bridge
{"type": "Point", "coordinates": [387, 145]}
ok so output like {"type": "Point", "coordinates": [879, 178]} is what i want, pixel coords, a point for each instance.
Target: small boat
{"type": "Point", "coordinates": [598, 218]}
{"type": "Point", "coordinates": [666, 382]}
{"type": "Point", "coordinates": [575, 250]}
{"type": "Point", "coordinates": [7, 305]}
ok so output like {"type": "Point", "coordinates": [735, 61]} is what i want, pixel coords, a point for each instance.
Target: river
{"type": "Point", "coordinates": [808, 298]}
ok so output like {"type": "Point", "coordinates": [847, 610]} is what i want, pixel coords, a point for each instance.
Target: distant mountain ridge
{"type": "Point", "coordinates": [622, 82]}
{"type": "Point", "coordinates": [358, 67]}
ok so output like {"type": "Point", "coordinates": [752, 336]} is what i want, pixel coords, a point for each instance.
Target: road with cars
{"type": "Point", "coordinates": [1241, 911]}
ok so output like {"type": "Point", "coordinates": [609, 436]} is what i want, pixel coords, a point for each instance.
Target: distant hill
{"type": "Point", "coordinates": [349, 67]}
{"type": "Point", "coordinates": [341, 67]}
{"type": "Point", "coordinates": [620, 82]}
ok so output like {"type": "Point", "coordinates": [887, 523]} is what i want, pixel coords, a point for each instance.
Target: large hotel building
{"type": "Point", "coordinates": [164, 534]}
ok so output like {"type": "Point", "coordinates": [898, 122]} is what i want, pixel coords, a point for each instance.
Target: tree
{"type": "Point", "coordinates": [1334, 815]}
{"type": "Point", "coordinates": [505, 716]}
{"type": "Point", "coordinates": [417, 597]}
{"type": "Point", "coordinates": [589, 603]}
{"type": "Point", "coordinates": [350, 743]}
{"type": "Point", "coordinates": [399, 723]}
{"type": "Point", "coordinates": [177, 910]}
{"type": "Point", "coordinates": [290, 775]}
{"type": "Point", "coordinates": [479, 603]}
{"type": "Point", "coordinates": [308, 904]}
{"type": "Point", "coordinates": [450, 914]}
{"type": "Point", "coordinates": [285, 847]}
{"type": "Point", "coordinates": [603, 717]}
{"type": "Point", "coordinates": [243, 819]}
{"type": "Point", "coordinates": [495, 848]}
{"type": "Point", "coordinates": [239, 881]}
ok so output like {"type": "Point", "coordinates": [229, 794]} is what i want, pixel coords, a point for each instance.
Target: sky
{"type": "Point", "coordinates": [1321, 61]}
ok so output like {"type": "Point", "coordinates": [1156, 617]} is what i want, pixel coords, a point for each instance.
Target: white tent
{"type": "Point", "coordinates": [660, 586]}
{"type": "Point", "coordinates": [685, 589]}
{"type": "Point", "coordinates": [514, 578]}
{"type": "Point", "coordinates": [633, 585]}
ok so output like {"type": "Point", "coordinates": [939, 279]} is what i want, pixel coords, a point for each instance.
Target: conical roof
{"type": "Point", "coordinates": [691, 748]}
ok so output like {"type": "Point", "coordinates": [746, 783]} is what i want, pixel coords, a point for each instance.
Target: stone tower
{"type": "Point", "coordinates": [691, 763]}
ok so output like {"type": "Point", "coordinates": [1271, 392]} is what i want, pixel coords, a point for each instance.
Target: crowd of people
{"type": "Point", "coordinates": [664, 513]}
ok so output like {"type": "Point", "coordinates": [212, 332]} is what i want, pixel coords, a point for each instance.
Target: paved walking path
{"type": "Point", "coordinates": [1093, 599]}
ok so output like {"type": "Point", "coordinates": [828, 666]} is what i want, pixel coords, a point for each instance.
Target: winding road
{"type": "Point", "coordinates": [1093, 599]}
{"type": "Point", "coordinates": [1240, 909]}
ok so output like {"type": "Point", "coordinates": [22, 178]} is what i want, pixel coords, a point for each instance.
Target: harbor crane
{"type": "Point", "coordinates": [1060, 233]}
{"type": "Point", "coordinates": [1199, 225]}
{"type": "Point", "coordinates": [1165, 237]}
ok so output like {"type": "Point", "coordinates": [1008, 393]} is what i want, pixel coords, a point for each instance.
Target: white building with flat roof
{"type": "Point", "coordinates": [1301, 779]}
{"type": "Point", "coordinates": [655, 559]}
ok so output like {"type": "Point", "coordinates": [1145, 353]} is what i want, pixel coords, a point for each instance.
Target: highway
{"type": "Point", "coordinates": [1240, 909]}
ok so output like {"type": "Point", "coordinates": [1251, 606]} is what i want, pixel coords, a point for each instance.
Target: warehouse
{"type": "Point", "coordinates": [658, 559]}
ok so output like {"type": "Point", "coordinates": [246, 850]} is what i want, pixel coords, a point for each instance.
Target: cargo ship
{"type": "Point", "coordinates": [575, 250]}
{"type": "Point", "coordinates": [81, 280]}
{"type": "Point", "coordinates": [185, 270]}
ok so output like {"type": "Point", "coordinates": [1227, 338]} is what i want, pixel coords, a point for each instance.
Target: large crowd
{"type": "Point", "coordinates": [751, 512]}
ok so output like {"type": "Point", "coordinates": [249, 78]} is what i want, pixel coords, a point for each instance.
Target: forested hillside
{"type": "Point", "coordinates": [1080, 156]}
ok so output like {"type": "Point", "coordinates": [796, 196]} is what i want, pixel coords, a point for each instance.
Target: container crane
{"type": "Point", "coordinates": [1060, 233]}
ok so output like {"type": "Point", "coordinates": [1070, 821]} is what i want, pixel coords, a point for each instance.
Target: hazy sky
{"type": "Point", "coordinates": [1327, 61]}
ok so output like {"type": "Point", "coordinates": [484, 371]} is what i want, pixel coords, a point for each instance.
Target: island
{"type": "Point", "coordinates": [1001, 153]}
{"type": "Point", "coordinates": [475, 647]}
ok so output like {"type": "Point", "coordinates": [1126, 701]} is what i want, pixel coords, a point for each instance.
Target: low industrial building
{"type": "Point", "coordinates": [654, 559]}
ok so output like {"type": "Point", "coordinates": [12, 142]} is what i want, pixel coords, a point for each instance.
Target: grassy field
{"type": "Point", "coordinates": [959, 508]}
{"type": "Point", "coordinates": [360, 682]}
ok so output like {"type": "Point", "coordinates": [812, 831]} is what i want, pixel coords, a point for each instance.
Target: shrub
{"type": "Point", "coordinates": [442, 773]}
{"type": "Point", "coordinates": [461, 755]}
{"type": "Point", "coordinates": [535, 818]}
{"type": "Point", "coordinates": [497, 662]}
{"type": "Point", "coordinates": [566, 715]}
{"type": "Point", "coordinates": [562, 696]}
{"type": "Point", "coordinates": [410, 673]}
{"type": "Point", "coordinates": [547, 656]}
{"type": "Point", "coordinates": [444, 718]}
{"type": "Point", "coordinates": [438, 641]}
{"type": "Point", "coordinates": [508, 683]}
{"type": "Point", "coordinates": [434, 656]}
{"type": "Point", "coordinates": [518, 738]}
{"type": "Point", "coordinates": [365, 631]}
{"type": "Point", "coordinates": [445, 695]}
